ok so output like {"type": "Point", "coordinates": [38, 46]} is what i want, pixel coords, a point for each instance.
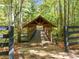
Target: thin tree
{"type": "Point", "coordinates": [65, 13]}
{"type": "Point", "coordinates": [19, 13]}
{"type": "Point", "coordinates": [60, 20]}
{"type": "Point", "coordinates": [68, 12]}
{"type": "Point", "coordinates": [10, 13]}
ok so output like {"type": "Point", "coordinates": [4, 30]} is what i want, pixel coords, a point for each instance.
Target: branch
{"type": "Point", "coordinates": [19, 10]}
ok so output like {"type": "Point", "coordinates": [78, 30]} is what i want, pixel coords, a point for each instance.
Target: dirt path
{"type": "Point", "coordinates": [37, 51]}
{"type": "Point", "coordinates": [43, 52]}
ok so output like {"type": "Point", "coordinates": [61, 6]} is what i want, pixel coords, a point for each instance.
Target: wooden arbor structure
{"type": "Point", "coordinates": [39, 30]}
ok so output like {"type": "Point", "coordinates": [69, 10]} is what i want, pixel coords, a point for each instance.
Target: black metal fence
{"type": "Point", "coordinates": [68, 38]}
{"type": "Point", "coordinates": [9, 44]}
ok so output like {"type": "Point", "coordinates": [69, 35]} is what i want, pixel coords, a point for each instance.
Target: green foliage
{"type": "Point", "coordinates": [55, 11]}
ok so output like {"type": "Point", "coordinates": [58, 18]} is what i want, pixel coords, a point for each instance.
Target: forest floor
{"type": "Point", "coordinates": [47, 51]}
{"type": "Point", "coordinates": [36, 51]}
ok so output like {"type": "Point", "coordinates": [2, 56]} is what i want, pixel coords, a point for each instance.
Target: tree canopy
{"type": "Point", "coordinates": [59, 12]}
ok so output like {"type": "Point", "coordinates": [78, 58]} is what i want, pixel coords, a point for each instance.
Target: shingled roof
{"type": "Point", "coordinates": [39, 18]}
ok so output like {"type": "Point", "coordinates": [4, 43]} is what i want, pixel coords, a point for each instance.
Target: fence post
{"type": "Point", "coordinates": [66, 38]}
{"type": "Point", "coordinates": [11, 42]}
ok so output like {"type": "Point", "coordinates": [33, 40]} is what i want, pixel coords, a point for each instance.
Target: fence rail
{"type": "Point", "coordinates": [9, 44]}
{"type": "Point", "coordinates": [67, 37]}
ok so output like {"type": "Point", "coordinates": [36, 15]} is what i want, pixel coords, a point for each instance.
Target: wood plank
{"type": "Point", "coordinates": [4, 36]}
{"type": "Point", "coordinates": [4, 44]}
{"type": "Point", "coordinates": [73, 43]}
{"type": "Point", "coordinates": [70, 38]}
{"type": "Point", "coordinates": [4, 53]}
{"type": "Point", "coordinates": [4, 27]}
{"type": "Point", "coordinates": [73, 32]}
{"type": "Point", "coordinates": [73, 26]}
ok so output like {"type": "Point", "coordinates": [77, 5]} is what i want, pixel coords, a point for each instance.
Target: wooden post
{"type": "Point", "coordinates": [51, 37]}
{"type": "Point", "coordinates": [11, 42]}
{"type": "Point", "coordinates": [66, 38]}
